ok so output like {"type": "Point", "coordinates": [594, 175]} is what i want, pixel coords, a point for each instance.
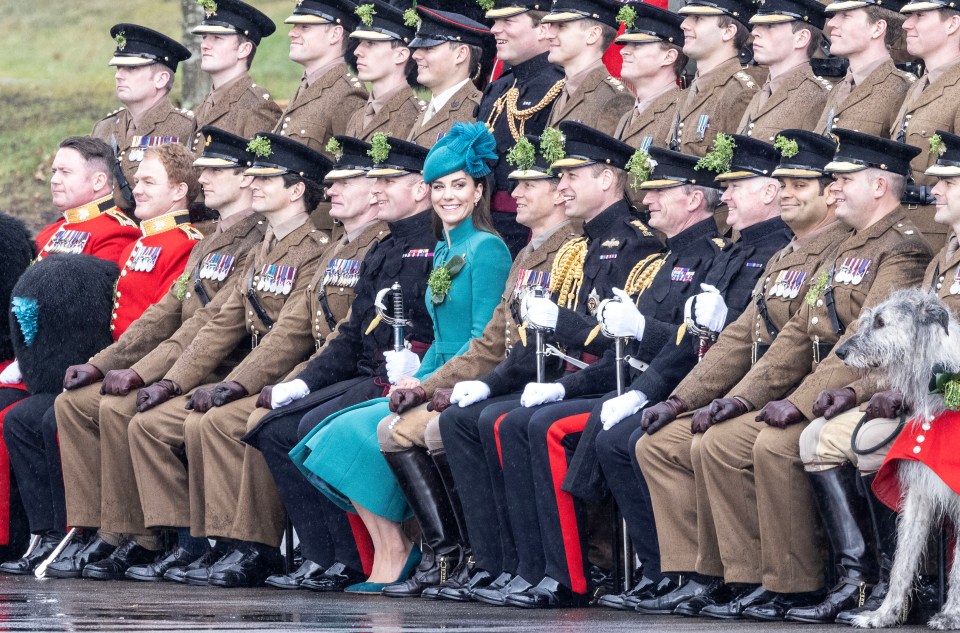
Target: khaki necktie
{"type": "Point", "coordinates": [765, 93]}
{"type": "Point", "coordinates": [952, 245]}
{"type": "Point", "coordinates": [368, 114]}
{"type": "Point", "coordinates": [692, 93]}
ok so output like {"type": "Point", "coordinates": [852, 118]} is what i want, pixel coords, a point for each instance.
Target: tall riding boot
{"type": "Point", "coordinates": [442, 551]}
{"type": "Point", "coordinates": [844, 514]}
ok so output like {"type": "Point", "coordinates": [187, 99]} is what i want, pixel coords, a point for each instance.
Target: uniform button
{"type": "Point", "coordinates": [941, 277]}
{"type": "Point", "coordinates": [118, 294]}
{"type": "Point", "coordinates": [250, 313]}
{"type": "Point", "coordinates": [920, 439]}
{"type": "Point", "coordinates": [916, 450]}
{"type": "Point", "coordinates": [819, 303]}
{"type": "Point", "coordinates": [123, 273]}
{"type": "Point", "coordinates": [286, 119]}
{"type": "Point", "coordinates": [187, 296]}
{"type": "Point", "coordinates": [113, 316]}
{"type": "Point", "coordinates": [939, 286]}
{"type": "Point", "coordinates": [815, 320]}
{"type": "Point", "coordinates": [113, 327]}
{"type": "Point", "coordinates": [303, 132]}
{"type": "Point", "coordinates": [925, 426]}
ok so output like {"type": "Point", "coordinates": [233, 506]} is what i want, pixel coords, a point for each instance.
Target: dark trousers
{"type": "Point", "coordinates": [30, 431]}
{"type": "Point", "coordinates": [474, 457]}
{"type": "Point", "coordinates": [324, 529]}
{"type": "Point", "coordinates": [9, 396]}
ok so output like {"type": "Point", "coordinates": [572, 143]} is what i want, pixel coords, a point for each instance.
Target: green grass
{"type": "Point", "coordinates": [55, 82]}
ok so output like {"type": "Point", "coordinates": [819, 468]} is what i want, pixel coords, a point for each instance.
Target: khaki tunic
{"type": "Point", "coordinates": [599, 102]}
{"type": "Point", "coordinates": [722, 96]}
{"type": "Point", "coordinates": [395, 118]}
{"type": "Point", "coordinates": [243, 109]}
{"type": "Point", "coordinates": [796, 104]}
{"type": "Point", "coordinates": [872, 105]}
{"type": "Point", "coordinates": [654, 122]}
{"type": "Point", "coordinates": [461, 107]}
{"type": "Point", "coordinates": [163, 119]}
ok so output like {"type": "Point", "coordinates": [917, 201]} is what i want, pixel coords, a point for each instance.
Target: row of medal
{"type": "Point", "coordinates": [216, 266]}
{"type": "Point", "coordinates": [852, 270]}
{"type": "Point", "coordinates": [344, 273]}
{"type": "Point", "coordinates": [681, 274]}
{"type": "Point", "coordinates": [144, 258]}
{"type": "Point", "coordinates": [788, 284]}
{"type": "Point", "coordinates": [531, 279]}
{"type": "Point", "coordinates": [139, 145]}
{"type": "Point", "coordinates": [418, 252]}
{"type": "Point", "coordinates": [277, 279]}
{"type": "Point", "coordinates": [67, 241]}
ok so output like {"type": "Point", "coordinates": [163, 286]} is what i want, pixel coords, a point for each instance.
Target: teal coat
{"type": "Point", "coordinates": [341, 456]}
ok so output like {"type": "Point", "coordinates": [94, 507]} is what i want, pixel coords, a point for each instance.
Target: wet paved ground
{"type": "Point", "coordinates": [27, 604]}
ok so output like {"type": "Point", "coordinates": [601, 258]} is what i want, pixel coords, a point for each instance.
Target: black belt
{"type": "Point", "coordinates": [820, 350]}
{"type": "Point", "coordinates": [199, 290]}
{"type": "Point", "coordinates": [325, 307]}
{"type": "Point", "coordinates": [757, 352]}
{"type": "Point", "coordinates": [258, 308]}
{"type": "Point", "coordinates": [772, 329]}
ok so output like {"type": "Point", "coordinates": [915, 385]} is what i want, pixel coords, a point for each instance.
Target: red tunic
{"type": "Point", "coordinates": [98, 228]}
{"type": "Point", "coordinates": [151, 265]}
{"type": "Point", "coordinates": [933, 443]}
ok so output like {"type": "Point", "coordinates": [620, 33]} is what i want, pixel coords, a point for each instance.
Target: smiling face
{"type": "Point", "coordinates": [947, 194]}
{"type": "Point", "coordinates": [72, 182]}
{"type": "Point", "coordinates": [222, 187]}
{"type": "Point", "coordinates": [536, 200]}
{"type": "Point", "coordinates": [154, 192]}
{"type": "Point", "coordinates": [398, 197]}
{"type": "Point", "coordinates": [269, 194]}
{"type": "Point", "coordinates": [645, 59]}
{"type": "Point", "coordinates": [569, 39]}
{"type": "Point", "coordinates": [670, 209]}
{"type": "Point", "coordinates": [517, 38]}
{"type": "Point", "coordinates": [802, 204]}
{"type": "Point", "coordinates": [350, 197]}
{"type": "Point", "coordinates": [702, 35]}
{"type": "Point", "coordinates": [745, 202]}
{"type": "Point", "coordinates": [454, 197]}
{"type": "Point", "coordinates": [437, 64]}
{"type": "Point", "coordinates": [856, 199]}
{"type": "Point", "coordinates": [311, 42]}
{"type": "Point", "coordinates": [927, 31]}
{"type": "Point", "coordinates": [581, 191]}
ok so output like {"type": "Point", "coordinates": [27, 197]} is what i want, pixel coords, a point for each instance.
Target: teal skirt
{"type": "Point", "coordinates": [342, 458]}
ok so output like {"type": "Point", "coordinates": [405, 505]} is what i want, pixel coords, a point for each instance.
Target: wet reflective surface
{"type": "Point", "coordinates": [28, 604]}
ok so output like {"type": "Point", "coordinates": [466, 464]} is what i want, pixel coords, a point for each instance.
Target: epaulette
{"type": "Point", "coordinates": [720, 243]}
{"type": "Point", "coordinates": [320, 236]}
{"type": "Point", "coordinates": [191, 231]}
{"type": "Point", "coordinates": [187, 113]}
{"type": "Point", "coordinates": [825, 82]}
{"type": "Point", "coordinates": [744, 78]}
{"type": "Point", "coordinates": [120, 217]}
{"type": "Point", "coordinates": [641, 228]}
{"type": "Point", "coordinates": [353, 80]}
{"type": "Point", "coordinates": [616, 83]}
{"type": "Point", "coordinates": [906, 229]}
{"type": "Point", "coordinates": [263, 93]}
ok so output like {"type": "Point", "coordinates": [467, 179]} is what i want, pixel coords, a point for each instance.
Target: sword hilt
{"type": "Point", "coordinates": [398, 324]}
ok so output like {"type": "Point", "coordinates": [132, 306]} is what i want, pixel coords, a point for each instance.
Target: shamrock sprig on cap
{"type": "Point", "coordinates": [486, 5]}
{"type": "Point", "coordinates": [366, 12]}
{"type": "Point", "coordinates": [260, 147]}
{"type": "Point", "coordinates": [552, 145]}
{"type": "Point", "coordinates": [209, 7]}
{"type": "Point", "coordinates": [411, 18]}
{"type": "Point", "coordinates": [937, 146]}
{"type": "Point", "coordinates": [522, 155]}
{"type": "Point", "coordinates": [787, 146]}
{"type": "Point", "coordinates": [718, 158]}
{"type": "Point", "coordinates": [334, 148]}
{"type": "Point", "coordinates": [121, 40]}
{"type": "Point", "coordinates": [639, 167]}
{"type": "Point", "coordinates": [379, 148]}
{"type": "Point", "coordinates": [627, 15]}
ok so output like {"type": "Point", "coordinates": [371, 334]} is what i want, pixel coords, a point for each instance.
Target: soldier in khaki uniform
{"type": "Point", "coordinates": [786, 34]}
{"type": "Point", "coordinates": [224, 473]}
{"type": "Point", "coordinates": [581, 31]}
{"type": "Point", "coordinates": [384, 60]}
{"type": "Point", "coordinates": [416, 427]}
{"type": "Point", "coordinates": [869, 95]}
{"type": "Point", "coordinates": [722, 88]}
{"type": "Point", "coordinates": [448, 49]}
{"type": "Point", "coordinates": [230, 34]}
{"type": "Point", "coordinates": [825, 445]}
{"type": "Point", "coordinates": [669, 454]}
{"type": "Point", "coordinates": [146, 63]}
{"type": "Point", "coordinates": [286, 186]}
{"type": "Point", "coordinates": [93, 440]}
{"type": "Point", "coordinates": [760, 498]}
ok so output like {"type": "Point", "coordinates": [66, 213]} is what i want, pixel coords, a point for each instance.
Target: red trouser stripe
{"type": "Point", "coordinates": [364, 543]}
{"type": "Point", "coordinates": [496, 436]}
{"type": "Point", "coordinates": [565, 511]}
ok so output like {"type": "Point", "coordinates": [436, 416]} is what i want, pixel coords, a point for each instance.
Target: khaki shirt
{"type": "Point", "coordinates": [461, 107]}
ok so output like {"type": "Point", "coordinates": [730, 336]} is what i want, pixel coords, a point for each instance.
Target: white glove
{"type": "Point", "coordinates": [287, 392]}
{"type": "Point", "coordinates": [469, 392]}
{"type": "Point", "coordinates": [710, 309]}
{"type": "Point", "coordinates": [541, 393]}
{"type": "Point", "coordinates": [400, 364]}
{"type": "Point", "coordinates": [541, 312]}
{"type": "Point", "coordinates": [621, 318]}
{"type": "Point", "coordinates": [616, 409]}
{"type": "Point", "coordinates": [11, 375]}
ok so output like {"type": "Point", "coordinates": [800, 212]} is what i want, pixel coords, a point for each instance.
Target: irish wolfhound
{"type": "Point", "coordinates": [899, 342]}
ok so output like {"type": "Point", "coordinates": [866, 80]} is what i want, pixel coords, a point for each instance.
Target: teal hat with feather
{"type": "Point", "coordinates": [467, 146]}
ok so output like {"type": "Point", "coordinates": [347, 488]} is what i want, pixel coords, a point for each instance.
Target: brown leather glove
{"type": "Point", "coordinates": [440, 400]}
{"type": "Point", "coordinates": [832, 402]}
{"type": "Point", "coordinates": [659, 415]}
{"type": "Point", "coordinates": [781, 414]}
{"type": "Point", "coordinates": [720, 410]}
{"type": "Point", "coordinates": [217, 395]}
{"type": "Point", "coordinates": [265, 399]}
{"type": "Point", "coordinates": [405, 399]}
{"type": "Point", "coordinates": [157, 393]}
{"type": "Point", "coordinates": [78, 376]}
{"type": "Point", "coordinates": [120, 382]}
{"type": "Point", "coordinates": [884, 404]}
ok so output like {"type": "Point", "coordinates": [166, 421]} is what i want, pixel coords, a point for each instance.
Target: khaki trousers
{"type": "Point", "coordinates": [78, 427]}
{"type": "Point", "coordinates": [765, 517]}
{"type": "Point", "coordinates": [825, 444]}
{"type": "Point", "coordinates": [240, 497]}
{"type": "Point", "coordinates": [670, 460]}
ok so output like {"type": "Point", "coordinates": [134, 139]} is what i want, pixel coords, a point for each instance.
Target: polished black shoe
{"type": "Point", "coordinates": [722, 594]}
{"type": "Point", "coordinates": [748, 596]}
{"type": "Point", "coordinates": [115, 566]}
{"type": "Point", "coordinates": [665, 586]}
{"type": "Point", "coordinates": [76, 556]}
{"type": "Point", "coordinates": [306, 571]}
{"type": "Point", "coordinates": [463, 592]}
{"type": "Point", "coordinates": [848, 594]}
{"type": "Point", "coordinates": [548, 594]}
{"type": "Point", "coordinates": [776, 609]}
{"type": "Point", "coordinates": [496, 594]}
{"type": "Point", "coordinates": [337, 577]}
{"type": "Point", "coordinates": [201, 575]}
{"type": "Point", "coordinates": [257, 563]}
{"type": "Point", "coordinates": [156, 571]}
{"type": "Point", "coordinates": [667, 603]}
{"type": "Point", "coordinates": [620, 600]}
{"type": "Point", "coordinates": [179, 574]}
{"type": "Point", "coordinates": [41, 546]}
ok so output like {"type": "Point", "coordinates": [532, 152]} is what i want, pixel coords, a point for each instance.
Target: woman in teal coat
{"type": "Point", "coordinates": [341, 456]}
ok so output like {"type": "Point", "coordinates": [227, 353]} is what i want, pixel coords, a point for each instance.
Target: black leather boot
{"type": "Point", "coordinates": [844, 514]}
{"type": "Point", "coordinates": [41, 546]}
{"type": "Point", "coordinates": [83, 549]}
{"type": "Point", "coordinates": [883, 522]}
{"type": "Point", "coordinates": [465, 577]}
{"type": "Point", "coordinates": [442, 550]}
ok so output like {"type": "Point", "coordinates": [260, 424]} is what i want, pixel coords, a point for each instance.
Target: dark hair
{"type": "Point", "coordinates": [894, 21]}
{"type": "Point", "coordinates": [740, 39]}
{"type": "Point", "coordinates": [621, 176]}
{"type": "Point", "coordinates": [482, 219]}
{"type": "Point", "coordinates": [96, 154]}
{"type": "Point", "coordinates": [474, 61]}
{"type": "Point", "coordinates": [682, 60]}
{"type": "Point", "coordinates": [607, 35]}
{"type": "Point", "coordinates": [537, 16]}
{"type": "Point", "coordinates": [313, 193]}
{"type": "Point", "coordinates": [410, 70]}
{"type": "Point", "coordinates": [816, 35]}
{"type": "Point", "coordinates": [253, 50]}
